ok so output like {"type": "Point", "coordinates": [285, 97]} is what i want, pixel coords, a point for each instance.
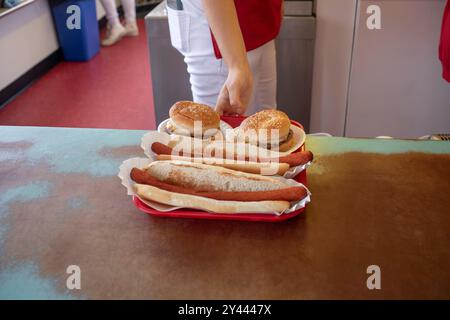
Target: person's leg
{"type": "Point", "coordinates": [206, 78]}
{"type": "Point", "coordinates": [267, 81]}
{"type": "Point", "coordinates": [111, 12]}
{"type": "Point", "coordinates": [190, 35]}
{"type": "Point", "coordinates": [263, 63]}
{"type": "Point", "coordinates": [129, 8]}
{"type": "Point", "coordinates": [115, 31]}
{"type": "Point", "coordinates": [254, 60]}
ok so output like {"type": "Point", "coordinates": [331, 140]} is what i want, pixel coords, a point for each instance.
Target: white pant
{"type": "Point", "coordinates": [112, 16]}
{"type": "Point", "coordinates": [190, 35]}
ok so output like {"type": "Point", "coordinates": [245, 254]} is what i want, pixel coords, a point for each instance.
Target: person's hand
{"type": "Point", "coordinates": [235, 95]}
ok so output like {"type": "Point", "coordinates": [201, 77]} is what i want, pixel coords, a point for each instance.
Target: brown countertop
{"type": "Point", "coordinates": [374, 202]}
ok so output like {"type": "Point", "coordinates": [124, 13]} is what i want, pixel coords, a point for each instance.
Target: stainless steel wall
{"type": "Point", "coordinates": [379, 82]}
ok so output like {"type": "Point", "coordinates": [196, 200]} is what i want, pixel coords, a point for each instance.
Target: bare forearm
{"type": "Point", "coordinates": [223, 20]}
{"type": "Point", "coordinates": [235, 94]}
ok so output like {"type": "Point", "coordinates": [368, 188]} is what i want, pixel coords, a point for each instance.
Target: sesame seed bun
{"type": "Point", "coordinates": [266, 121]}
{"type": "Point", "coordinates": [184, 114]}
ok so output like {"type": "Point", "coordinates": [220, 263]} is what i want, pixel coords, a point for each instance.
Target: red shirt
{"type": "Point", "coordinates": [444, 46]}
{"type": "Point", "coordinates": [260, 22]}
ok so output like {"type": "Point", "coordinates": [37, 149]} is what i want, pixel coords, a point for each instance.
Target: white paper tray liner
{"type": "Point", "coordinates": [153, 136]}
{"type": "Point", "coordinates": [127, 165]}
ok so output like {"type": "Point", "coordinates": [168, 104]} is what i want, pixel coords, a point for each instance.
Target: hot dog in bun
{"type": "Point", "coordinates": [214, 189]}
{"type": "Point", "coordinates": [293, 159]}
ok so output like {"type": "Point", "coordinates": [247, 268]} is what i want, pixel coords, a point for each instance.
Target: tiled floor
{"type": "Point", "coordinates": [113, 90]}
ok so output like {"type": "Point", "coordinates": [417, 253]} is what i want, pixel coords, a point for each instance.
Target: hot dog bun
{"type": "Point", "coordinates": [189, 201]}
{"type": "Point", "coordinates": [202, 177]}
{"type": "Point", "coordinates": [291, 193]}
{"type": "Point", "coordinates": [268, 168]}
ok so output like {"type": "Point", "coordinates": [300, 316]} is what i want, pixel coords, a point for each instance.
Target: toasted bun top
{"type": "Point", "coordinates": [185, 113]}
{"type": "Point", "coordinates": [270, 119]}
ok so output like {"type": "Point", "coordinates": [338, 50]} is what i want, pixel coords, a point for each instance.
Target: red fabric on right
{"type": "Point", "coordinates": [444, 46]}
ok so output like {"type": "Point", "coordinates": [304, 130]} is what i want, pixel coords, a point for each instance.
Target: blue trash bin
{"type": "Point", "coordinates": [77, 28]}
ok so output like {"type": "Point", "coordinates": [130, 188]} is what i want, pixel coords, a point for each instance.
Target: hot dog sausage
{"type": "Point", "coordinates": [297, 158]}
{"type": "Point", "coordinates": [293, 159]}
{"type": "Point", "coordinates": [160, 148]}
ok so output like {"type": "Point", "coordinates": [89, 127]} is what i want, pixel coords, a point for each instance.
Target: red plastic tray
{"type": "Point", "coordinates": [198, 214]}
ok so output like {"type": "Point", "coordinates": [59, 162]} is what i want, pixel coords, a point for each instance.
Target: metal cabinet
{"type": "Point", "coordinates": [295, 52]}
{"type": "Point", "coordinates": [396, 87]}
{"type": "Point", "coordinates": [379, 82]}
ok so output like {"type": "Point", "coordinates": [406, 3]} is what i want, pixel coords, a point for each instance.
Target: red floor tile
{"type": "Point", "coordinates": [113, 90]}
